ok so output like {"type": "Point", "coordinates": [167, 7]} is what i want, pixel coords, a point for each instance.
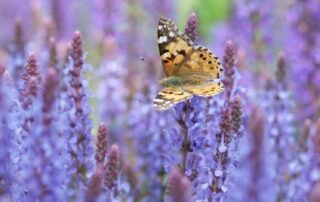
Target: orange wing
{"type": "Point", "coordinates": [201, 62]}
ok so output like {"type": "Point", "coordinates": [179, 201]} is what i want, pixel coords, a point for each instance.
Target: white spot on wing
{"type": "Point", "coordinates": [158, 100]}
{"type": "Point", "coordinates": [162, 39]}
{"type": "Point", "coordinates": [171, 34]}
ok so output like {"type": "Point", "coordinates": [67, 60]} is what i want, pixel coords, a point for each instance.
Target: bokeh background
{"type": "Point", "coordinates": [78, 76]}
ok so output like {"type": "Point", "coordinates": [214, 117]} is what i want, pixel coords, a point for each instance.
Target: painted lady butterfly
{"type": "Point", "coordinates": [190, 69]}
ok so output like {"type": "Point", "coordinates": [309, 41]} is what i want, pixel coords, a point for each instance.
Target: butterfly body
{"type": "Point", "coordinates": [190, 70]}
{"type": "Point", "coordinates": [177, 81]}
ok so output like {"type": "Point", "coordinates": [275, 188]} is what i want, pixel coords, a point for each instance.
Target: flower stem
{"type": "Point", "coordinates": [184, 147]}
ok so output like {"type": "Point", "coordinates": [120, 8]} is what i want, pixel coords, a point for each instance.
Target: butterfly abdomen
{"type": "Point", "coordinates": [180, 81]}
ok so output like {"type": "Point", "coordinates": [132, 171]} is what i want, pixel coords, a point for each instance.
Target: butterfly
{"type": "Point", "coordinates": [190, 70]}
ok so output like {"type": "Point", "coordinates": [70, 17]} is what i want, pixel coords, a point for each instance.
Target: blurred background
{"type": "Point", "coordinates": [276, 48]}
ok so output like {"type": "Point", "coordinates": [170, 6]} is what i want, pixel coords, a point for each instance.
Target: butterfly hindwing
{"type": "Point", "coordinates": [168, 97]}
{"type": "Point", "coordinates": [202, 62]}
{"type": "Point", "coordinates": [206, 89]}
{"type": "Point", "coordinates": [174, 46]}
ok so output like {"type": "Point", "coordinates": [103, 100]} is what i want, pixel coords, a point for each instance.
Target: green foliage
{"type": "Point", "coordinates": [209, 12]}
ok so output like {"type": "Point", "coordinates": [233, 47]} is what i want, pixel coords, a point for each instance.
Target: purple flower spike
{"type": "Point", "coordinates": [50, 86]}
{"type": "Point", "coordinates": [229, 60]}
{"type": "Point", "coordinates": [222, 156]}
{"type": "Point", "coordinates": [191, 29]}
{"type": "Point", "coordinates": [77, 51]}
{"type": "Point", "coordinates": [30, 90]}
{"type": "Point", "coordinates": [31, 79]}
{"type": "Point", "coordinates": [226, 125]}
{"type": "Point", "coordinates": [236, 113]}
{"type": "Point", "coordinates": [179, 186]}
{"type": "Point", "coordinates": [102, 144]}
{"type": "Point", "coordinates": [76, 82]}
{"type": "Point", "coordinates": [78, 110]}
{"type": "Point", "coordinates": [111, 167]}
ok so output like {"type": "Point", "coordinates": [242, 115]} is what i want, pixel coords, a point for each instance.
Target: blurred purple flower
{"type": "Point", "coordinates": [53, 55]}
{"type": "Point", "coordinates": [94, 185]}
{"type": "Point", "coordinates": [44, 179]}
{"type": "Point", "coordinates": [151, 143]}
{"type": "Point", "coordinates": [303, 57]}
{"type": "Point", "coordinates": [179, 186]}
{"type": "Point", "coordinates": [62, 12]}
{"type": "Point", "coordinates": [112, 87]}
{"type": "Point", "coordinates": [11, 11]}
{"type": "Point", "coordinates": [109, 16]}
{"type": "Point", "coordinates": [280, 129]}
{"type": "Point", "coordinates": [17, 53]}
{"type": "Point", "coordinates": [255, 158]}
{"type": "Point", "coordinates": [6, 137]}
{"type": "Point", "coordinates": [307, 163]}
{"type": "Point", "coordinates": [315, 193]}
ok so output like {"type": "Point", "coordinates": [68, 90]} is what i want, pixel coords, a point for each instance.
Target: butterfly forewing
{"type": "Point", "coordinates": [202, 62]}
{"type": "Point", "coordinates": [174, 46]}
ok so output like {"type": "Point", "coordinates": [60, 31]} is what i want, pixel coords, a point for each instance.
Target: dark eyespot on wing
{"type": "Point", "coordinates": [181, 52]}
